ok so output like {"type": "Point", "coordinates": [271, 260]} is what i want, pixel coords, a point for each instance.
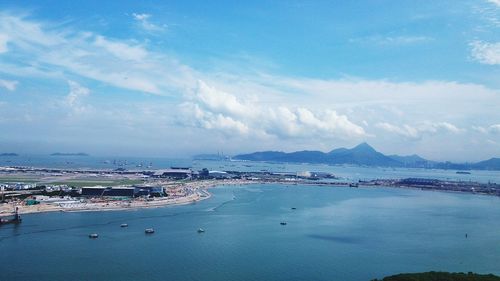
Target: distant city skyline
{"type": "Point", "coordinates": [180, 78]}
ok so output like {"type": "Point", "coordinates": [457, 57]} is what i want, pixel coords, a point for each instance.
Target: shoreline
{"type": "Point", "coordinates": [200, 192]}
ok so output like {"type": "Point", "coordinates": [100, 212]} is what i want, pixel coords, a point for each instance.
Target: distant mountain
{"type": "Point", "coordinates": [414, 161]}
{"type": "Point", "coordinates": [9, 154]}
{"type": "Point", "coordinates": [362, 154]}
{"type": "Point", "coordinates": [69, 154]}
{"type": "Point", "coordinates": [490, 164]}
{"type": "Point", "coordinates": [365, 155]}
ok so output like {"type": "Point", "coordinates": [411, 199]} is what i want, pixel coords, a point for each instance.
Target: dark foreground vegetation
{"type": "Point", "coordinates": [440, 276]}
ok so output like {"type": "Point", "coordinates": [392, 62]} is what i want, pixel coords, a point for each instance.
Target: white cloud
{"type": "Point", "coordinates": [210, 108]}
{"type": "Point", "coordinates": [404, 130]}
{"type": "Point", "coordinates": [435, 127]}
{"type": "Point", "coordinates": [219, 101]}
{"type": "Point", "coordinates": [195, 116]}
{"type": "Point", "coordinates": [144, 23]}
{"type": "Point", "coordinates": [141, 17]}
{"type": "Point", "coordinates": [121, 63]}
{"type": "Point", "coordinates": [121, 50]}
{"type": "Point", "coordinates": [74, 98]}
{"type": "Point", "coordinates": [9, 85]}
{"type": "Point", "coordinates": [392, 40]}
{"type": "Point", "coordinates": [486, 53]}
{"type": "Point", "coordinates": [417, 131]}
{"type": "Point", "coordinates": [492, 129]}
{"type": "Point", "coordinates": [361, 92]}
{"type": "Point", "coordinates": [496, 2]}
{"type": "Point", "coordinates": [495, 128]}
{"type": "Point", "coordinates": [3, 42]}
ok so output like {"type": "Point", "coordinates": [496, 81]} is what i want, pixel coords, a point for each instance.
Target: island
{"type": "Point", "coordinates": [9, 154]}
{"type": "Point", "coordinates": [440, 276]}
{"type": "Point", "coordinates": [69, 154]}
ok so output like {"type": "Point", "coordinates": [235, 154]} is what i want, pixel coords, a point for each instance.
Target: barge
{"type": "Point", "coordinates": [15, 218]}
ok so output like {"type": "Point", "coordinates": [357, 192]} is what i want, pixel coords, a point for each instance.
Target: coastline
{"type": "Point", "coordinates": [200, 192]}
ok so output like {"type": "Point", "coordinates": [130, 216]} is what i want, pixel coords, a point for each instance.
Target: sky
{"type": "Point", "coordinates": [178, 78]}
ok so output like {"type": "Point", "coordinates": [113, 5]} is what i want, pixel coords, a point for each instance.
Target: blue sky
{"type": "Point", "coordinates": [176, 78]}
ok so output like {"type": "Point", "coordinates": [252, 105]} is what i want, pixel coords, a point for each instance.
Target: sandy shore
{"type": "Point", "coordinates": [197, 191]}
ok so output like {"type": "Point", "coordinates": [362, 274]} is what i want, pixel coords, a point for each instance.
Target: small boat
{"type": "Point", "coordinates": [123, 225]}
{"type": "Point", "coordinates": [93, 235]}
{"type": "Point", "coordinates": [149, 231]}
{"type": "Point", "coordinates": [283, 223]}
{"type": "Point", "coordinates": [293, 208]}
{"type": "Point", "coordinates": [201, 230]}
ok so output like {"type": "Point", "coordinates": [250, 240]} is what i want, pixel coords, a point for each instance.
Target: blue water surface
{"type": "Point", "coordinates": [335, 233]}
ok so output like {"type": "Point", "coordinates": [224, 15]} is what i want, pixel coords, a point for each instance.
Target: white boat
{"type": "Point", "coordinates": [93, 235]}
{"type": "Point", "coordinates": [201, 230]}
{"type": "Point", "coordinates": [149, 231]}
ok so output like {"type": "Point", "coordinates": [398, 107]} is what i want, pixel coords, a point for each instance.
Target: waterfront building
{"type": "Point", "coordinates": [218, 174]}
{"type": "Point", "coordinates": [174, 173]}
{"type": "Point", "coordinates": [148, 190]}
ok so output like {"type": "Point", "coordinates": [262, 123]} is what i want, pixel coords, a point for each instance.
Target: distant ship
{"type": "Point", "coordinates": [463, 172]}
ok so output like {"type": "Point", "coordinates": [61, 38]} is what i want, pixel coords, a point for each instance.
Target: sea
{"type": "Point", "coordinates": [331, 233]}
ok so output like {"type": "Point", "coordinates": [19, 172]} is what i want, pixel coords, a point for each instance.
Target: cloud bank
{"type": "Point", "coordinates": [419, 130]}
{"type": "Point", "coordinates": [210, 108]}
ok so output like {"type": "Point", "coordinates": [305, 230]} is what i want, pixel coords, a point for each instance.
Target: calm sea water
{"type": "Point", "coordinates": [343, 234]}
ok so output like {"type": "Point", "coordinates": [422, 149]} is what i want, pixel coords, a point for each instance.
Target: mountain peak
{"type": "Point", "coordinates": [364, 147]}
{"type": "Point", "coordinates": [363, 154]}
